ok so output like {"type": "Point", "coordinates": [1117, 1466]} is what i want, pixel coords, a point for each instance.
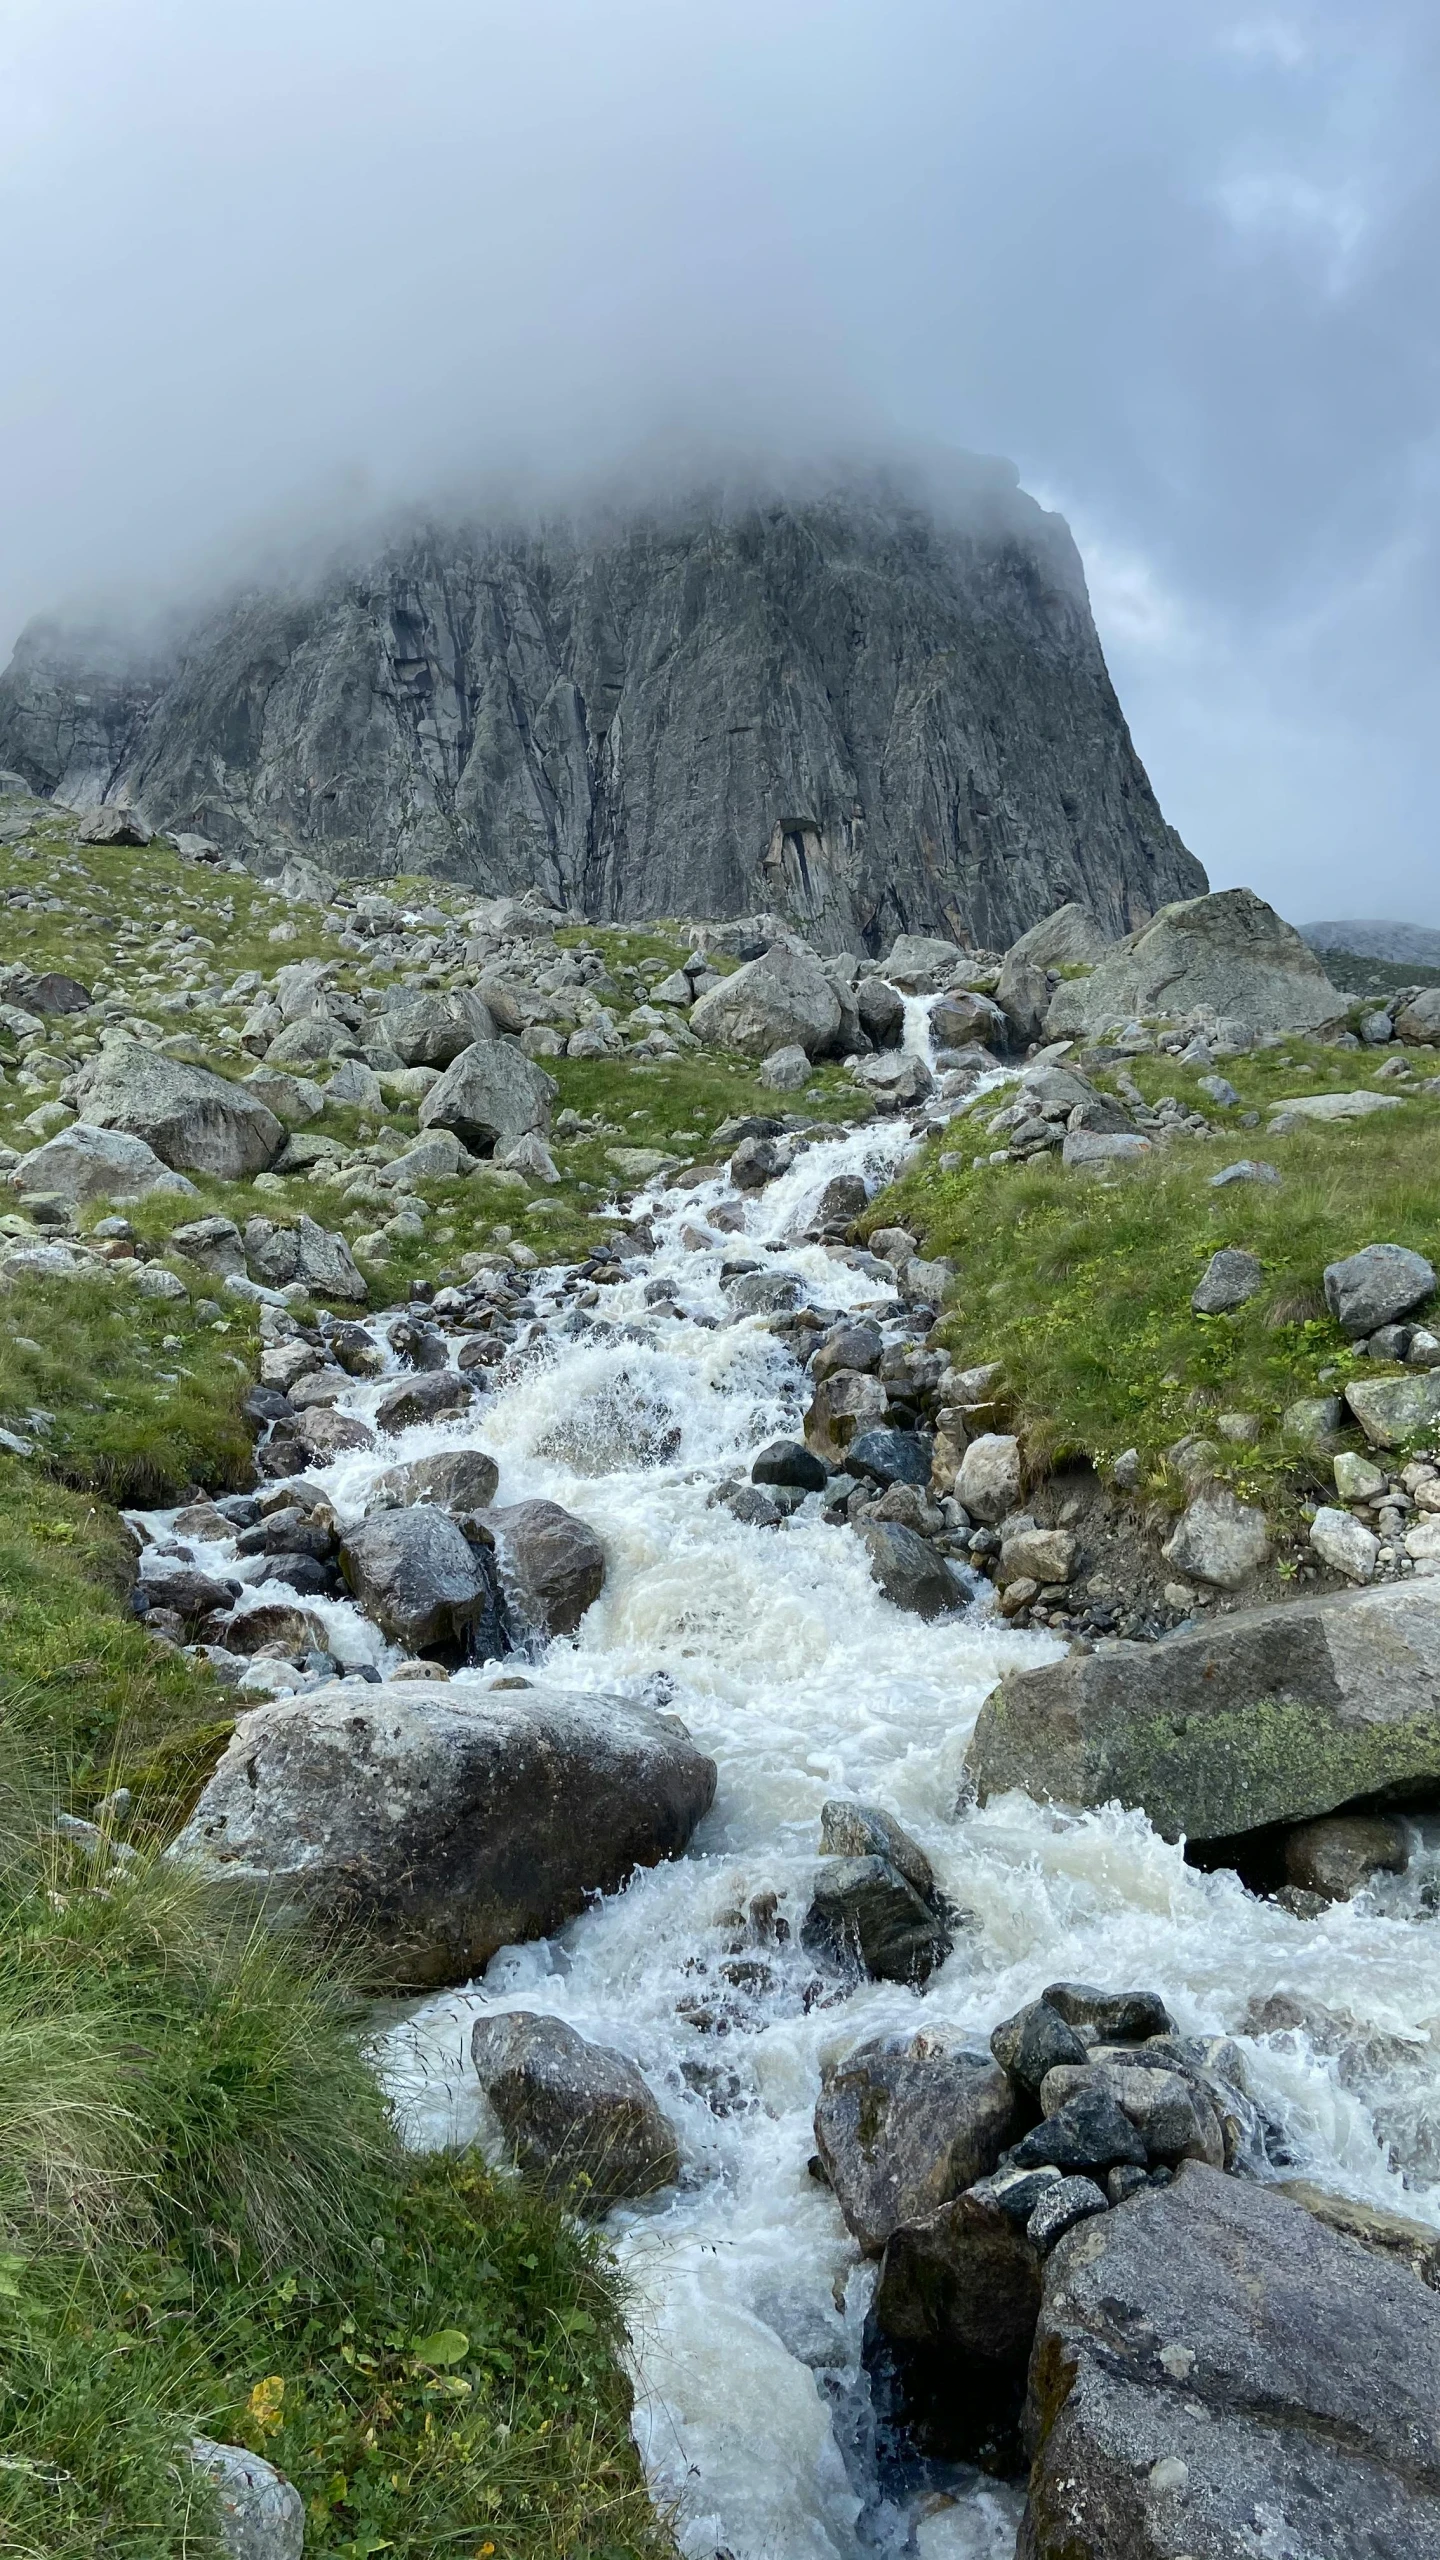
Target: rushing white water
{"type": "Point", "coordinates": [802, 1681]}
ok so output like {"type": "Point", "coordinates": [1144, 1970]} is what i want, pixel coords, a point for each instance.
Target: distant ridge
{"type": "Point", "coordinates": [1371, 938]}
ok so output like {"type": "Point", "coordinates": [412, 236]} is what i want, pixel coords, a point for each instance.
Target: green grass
{"type": "Point", "coordinates": [1081, 1286]}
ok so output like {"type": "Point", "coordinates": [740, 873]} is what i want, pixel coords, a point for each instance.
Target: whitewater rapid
{"type": "Point", "coordinates": [793, 1672]}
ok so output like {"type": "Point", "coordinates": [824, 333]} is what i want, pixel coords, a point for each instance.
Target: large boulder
{"type": "Point", "coordinates": [1071, 937]}
{"type": "Point", "coordinates": [1216, 2372]}
{"type": "Point", "coordinates": [1376, 1286]}
{"type": "Point", "coordinates": [909, 1570]}
{"type": "Point", "coordinates": [553, 1565]}
{"type": "Point", "coordinates": [197, 1122]}
{"type": "Point", "coordinates": [430, 1026]}
{"type": "Point", "coordinates": [577, 2117]}
{"type": "Point", "coordinates": [903, 2124]}
{"type": "Point", "coordinates": [921, 962]}
{"type": "Point", "coordinates": [491, 1094]}
{"type": "Point", "coordinates": [1272, 1715]}
{"type": "Point", "coordinates": [445, 1821]}
{"type": "Point", "coordinates": [462, 1480]}
{"type": "Point", "coordinates": [84, 1163]}
{"type": "Point", "coordinates": [316, 1256]}
{"type": "Point", "coordinates": [421, 1581]}
{"type": "Point", "coordinates": [781, 1001]}
{"type": "Point", "coordinates": [1228, 954]}
{"type": "Point", "coordinates": [1023, 996]}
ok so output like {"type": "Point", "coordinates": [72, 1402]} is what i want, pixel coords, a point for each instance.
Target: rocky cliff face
{"type": "Point", "coordinates": [850, 709]}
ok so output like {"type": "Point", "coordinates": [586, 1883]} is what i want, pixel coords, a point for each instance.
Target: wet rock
{"type": "Point", "coordinates": [757, 1161]}
{"type": "Point", "coordinates": [325, 1435]}
{"type": "Point", "coordinates": [1414, 2245]}
{"type": "Point", "coordinates": [275, 1625]}
{"type": "Point", "coordinates": [85, 1163]}
{"type": "Point", "coordinates": [1231, 1279]}
{"type": "Point", "coordinates": [894, 1080]}
{"type": "Point", "coordinates": [1186, 2388]}
{"type": "Point", "coordinates": [415, 1575]}
{"type": "Point", "coordinates": [750, 1504]}
{"type": "Point", "coordinates": [903, 2124]}
{"type": "Point", "coordinates": [1168, 2113]}
{"type": "Point", "coordinates": [577, 2117]}
{"type": "Point", "coordinates": [196, 1122]}
{"type": "Point", "coordinates": [1270, 1715]}
{"type": "Point", "coordinates": [1071, 2200]}
{"type": "Point", "coordinates": [183, 1588]}
{"type": "Point", "coordinates": [553, 1565]}
{"type": "Point", "coordinates": [789, 1462]}
{"type": "Point", "coordinates": [965, 2280]}
{"type": "Point", "coordinates": [1219, 1540]}
{"type": "Point", "coordinates": [864, 1912]}
{"type": "Point", "coordinates": [908, 1570]}
{"type": "Point", "coordinates": [1033, 2042]}
{"type": "Point", "coordinates": [843, 1200]}
{"type": "Point", "coordinates": [455, 1480]}
{"type": "Point", "coordinates": [491, 1094]}
{"type": "Point", "coordinates": [1376, 1287]}
{"type": "Point", "coordinates": [1338, 1855]}
{"type": "Point", "coordinates": [442, 1822]}
{"type": "Point", "coordinates": [761, 1293]}
{"type": "Point", "coordinates": [856, 1347]}
{"type": "Point", "coordinates": [890, 1457]}
{"type": "Point", "coordinates": [781, 1000]}
{"type": "Point", "coordinates": [846, 1401]}
{"type": "Point", "coordinates": [430, 1395]}
{"type": "Point", "coordinates": [852, 1830]}
{"type": "Point", "coordinates": [1088, 2132]}
{"type": "Point", "coordinates": [962, 1018]}
{"type": "Point", "coordinates": [989, 1481]}
{"type": "Point", "coordinates": [260, 2514]}
{"type": "Point", "coordinates": [1118, 2017]}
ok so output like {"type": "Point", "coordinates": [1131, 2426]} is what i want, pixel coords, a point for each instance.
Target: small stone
{"type": "Point", "coordinates": [1339, 1854]}
{"type": "Point", "coordinates": [1231, 1279]}
{"type": "Point", "coordinates": [1057, 2212]}
{"type": "Point", "coordinates": [989, 1481]}
{"type": "Point", "coordinates": [1219, 1540]}
{"type": "Point", "coordinates": [1247, 1169]}
{"type": "Point", "coordinates": [1357, 1479]}
{"type": "Point", "coordinates": [786, 1070]}
{"type": "Point", "coordinates": [1344, 1543]}
{"type": "Point", "coordinates": [1126, 1470]}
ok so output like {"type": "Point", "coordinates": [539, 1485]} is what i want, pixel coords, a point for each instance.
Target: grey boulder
{"type": "Point", "coordinates": [1376, 1286]}
{"type": "Point", "coordinates": [908, 1570]}
{"type": "Point", "coordinates": [1228, 954]}
{"type": "Point", "coordinates": [442, 1822]}
{"type": "Point", "coordinates": [1218, 1539]}
{"type": "Point", "coordinates": [577, 2117]}
{"type": "Point", "coordinates": [1271, 1715]}
{"type": "Point", "coordinates": [904, 2123]}
{"type": "Point", "coordinates": [491, 1094]}
{"type": "Point", "coordinates": [195, 1121]}
{"type": "Point", "coordinates": [260, 2514]}
{"type": "Point", "coordinates": [85, 1163]}
{"type": "Point", "coordinates": [420, 1580]}
{"type": "Point", "coordinates": [552, 1565]}
{"type": "Point", "coordinates": [1216, 2372]}
{"type": "Point", "coordinates": [1230, 1279]}
{"type": "Point", "coordinates": [315, 1256]}
{"type": "Point", "coordinates": [865, 1912]}
{"type": "Point", "coordinates": [462, 1480]}
{"type": "Point", "coordinates": [431, 1026]}
{"type": "Point", "coordinates": [1071, 937]}
{"type": "Point", "coordinates": [783, 1000]}
{"type": "Point", "coordinates": [921, 962]}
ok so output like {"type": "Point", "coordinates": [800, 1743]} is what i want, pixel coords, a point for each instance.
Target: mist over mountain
{"type": "Point", "coordinates": [877, 705]}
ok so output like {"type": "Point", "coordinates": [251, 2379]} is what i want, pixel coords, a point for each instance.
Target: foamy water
{"type": "Point", "coordinates": [802, 1681]}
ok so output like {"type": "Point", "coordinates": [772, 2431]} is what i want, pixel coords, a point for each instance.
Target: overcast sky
{"type": "Point", "coordinates": [284, 258]}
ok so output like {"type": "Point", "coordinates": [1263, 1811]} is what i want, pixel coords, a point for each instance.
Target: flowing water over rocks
{"type": "Point", "coordinates": [628, 1406]}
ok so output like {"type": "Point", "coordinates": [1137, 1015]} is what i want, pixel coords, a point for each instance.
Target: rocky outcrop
{"type": "Point", "coordinates": [443, 1823]}
{"type": "Point", "coordinates": [866, 711]}
{"type": "Point", "coordinates": [1215, 2371]}
{"type": "Point", "coordinates": [1272, 1715]}
{"type": "Point", "coordinates": [1228, 956]}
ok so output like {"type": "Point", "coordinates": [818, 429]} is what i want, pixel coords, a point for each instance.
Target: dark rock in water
{"type": "Point", "coordinates": [1337, 1856]}
{"type": "Point", "coordinates": [1033, 2042]}
{"type": "Point", "coordinates": [908, 1569]}
{"type": "Point", "coordinates": [579, 2118]}
{"type": "Point", "coordinates": [863, 1912]}
{"type": "Point", "coordinates": [945, 753]}
{"type": "Point", "coordinates": [790, 1462]}
{"type": "Point", "coordinates": [1088, 2132]}
{"type": "Point", "coordinates": [440, 1822]}
{"type": "Point", "coordinates": [423, 1584]}
{"type": "Point", "coordinates": [457, 1480]}
{"type": "Point", "coordinates": [1271, 1715]}
{"type": "Point", "coordinates": [750, 1504]}
{"type": "Point", "coordinates": [274, 1626]}
{"type": "Point", "coordinates": [429, 1396]}
{"type": "Point", "coordinates": [553, 1565]}
{"type": "Point", "coordinates": [305, 1574]}
{"type": "Point", "coordinates": [189, 1593]}
{"type": "Point", "coordinates": [956, 2307]}
{"type": "Point", "coordinates": [851, 1830]}
{"type": "Point", "coordinates": [1118, 2017]}
{"type": "Point", "coordinates": [881, 1012]}
{"type": "Point", "coordinates": [418, 1345]}
{"type": "Point", "coordinates": [852, 1347]}
{"type": "Point", "coordinates": [1072, 2200]}
{"type": "Point", "coordinates": [1215, 2372]}
{"type": "Point", "coordinates": [890, 1457]}
{"type": "Point", "coordinates": [903, 2124]}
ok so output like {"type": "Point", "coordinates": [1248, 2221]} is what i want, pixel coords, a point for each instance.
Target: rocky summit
{"type": "Point", "coordinates": [864, 712]}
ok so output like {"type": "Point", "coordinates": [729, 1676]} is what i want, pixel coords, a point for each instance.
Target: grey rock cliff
{"type": "Point", "coordinates": [850, 709]}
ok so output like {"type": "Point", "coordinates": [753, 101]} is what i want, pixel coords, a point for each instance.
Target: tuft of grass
{"type": "Point", "coordinates": [1081, 1285]}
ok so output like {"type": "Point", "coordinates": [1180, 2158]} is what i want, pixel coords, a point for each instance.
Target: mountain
{"type": "Point", "coordinates": [1373, 939]}
{"type": "Point", "coordinates": [873, 712]}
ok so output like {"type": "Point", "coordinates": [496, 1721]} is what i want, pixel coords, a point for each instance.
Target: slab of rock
{"type": "Point", "coordinates": [420, 1580]}
{"type": "Point", "coordinates": [989, 1480]}
{"type": "Point", "coordinates": [903, 2124]}
{"type": "Point", "coordinates": [1215, 2372]}
{"type": "Point", "coordinates": [1415, 2245]}
{"type": "Point", "coordinates": [1326, 1107]}
{"type": "Point", "coordinates": [1023, 996]}
{"type": "Point", "coordinates": [1231, 1278]}
{"type": "Point", "coordinates": [921, 962]}
{"type": "Point", "coordinates": [196, 1122]}
{"type": "Point", "coordinates": [553, 1565]}
{"type": "Point", "coordinates": [457, 1480]}
{"type": "Point", "coordinates": [442, 1821]}
{"type": "Point", "coordinates": [260, 2514]}
{"type": "Point", "coordinates": [782, 1000]}
{"type": "Point", "coordinates": [490, 1095]}
{"type": "Point", "coordinates": [852, 1830]}
{"type": "Point", "coordinates": [964, 2278]}
{"type": "Point", "coordinates": [578, 2118]}
{"type": "Point", "coordinates": [1376, 1287]}
{"type": "Point", "coordinates": [1391, 1411]}
{"type": "Point", "coordinates": [112, 824]}
{"type": "Point", "coordinates": [909, 1570]}
{"type": "Point", "coordinates": [212, 1243]}
{"type": "Point", "coordinates": [1271, 1715]}
{"type": "Point", "coordinates": [84, 1163]}
{"type": "Point", "coordinates": [1218, 1539]}
{"type": "Point", "coordinates": [1092, 1150]}
{"type": "Point", "coordinates": [1228, 954]}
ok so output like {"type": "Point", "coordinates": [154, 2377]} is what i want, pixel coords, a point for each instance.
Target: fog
{"type": "Point", "coordinates": [274, 271]}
